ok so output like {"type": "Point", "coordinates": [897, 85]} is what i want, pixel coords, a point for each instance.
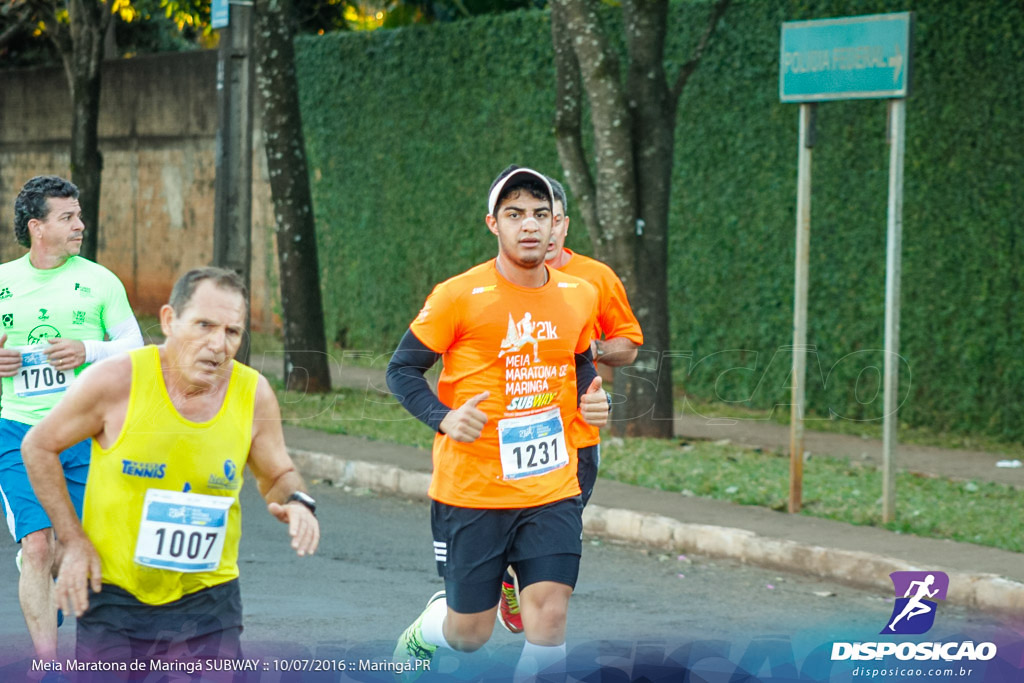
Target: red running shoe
{"type": "Point", "coordinates": [508, 609]}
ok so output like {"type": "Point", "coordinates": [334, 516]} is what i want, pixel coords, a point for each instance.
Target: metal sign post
{"type": "Point", "coordinates": [893, 261]}
{"type": "Point", "coordinates": [803, 249]}
{"type": "Point", "coordinates": [864, 57]}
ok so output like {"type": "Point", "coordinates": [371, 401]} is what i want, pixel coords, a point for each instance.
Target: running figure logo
{"type": "Point", "coordinates": [914, 612]}
{"type": "Point", "coordinates": [519, 335]}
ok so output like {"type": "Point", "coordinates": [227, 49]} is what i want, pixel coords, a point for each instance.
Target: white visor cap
{"type": "Point", "coordinates": [492, 199]}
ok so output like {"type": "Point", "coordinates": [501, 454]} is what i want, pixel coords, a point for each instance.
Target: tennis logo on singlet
{"type": "Point", "coordinates": [146, 470]}
{"type": "Point", "coordinates": [229, 482]}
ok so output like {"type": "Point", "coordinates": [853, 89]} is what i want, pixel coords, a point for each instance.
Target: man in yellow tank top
{"type": "Point", "coordinates": [172, 427]}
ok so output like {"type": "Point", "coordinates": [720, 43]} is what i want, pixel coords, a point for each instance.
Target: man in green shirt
{"type": "Point", "coordinates": [58, 313]}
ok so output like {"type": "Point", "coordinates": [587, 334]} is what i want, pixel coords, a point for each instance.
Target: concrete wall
{"type": "Point", "coordinates": [158, 125]}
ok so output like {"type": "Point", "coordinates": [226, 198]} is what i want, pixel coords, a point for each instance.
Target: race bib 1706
{"type": "Point", "coordinates": [36, 376]}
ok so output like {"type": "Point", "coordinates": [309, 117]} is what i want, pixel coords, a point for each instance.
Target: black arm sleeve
{"type": "Point", "coordinates": [408, 364]}
{"type": "Point", "coordinates": [585, 374]}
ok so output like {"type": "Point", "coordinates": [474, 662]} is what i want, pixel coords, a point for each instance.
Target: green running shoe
{"type": "Point", "coordinates": [412, 653]}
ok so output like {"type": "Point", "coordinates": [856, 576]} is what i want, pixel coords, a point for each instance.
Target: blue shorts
{"type": "Point", "coordinates": [21, 508]}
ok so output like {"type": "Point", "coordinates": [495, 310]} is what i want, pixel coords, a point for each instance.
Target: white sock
{"type": "Point", "coordinates": [536, 658]}
{"type": "Point", "coordinates": [432, 626]}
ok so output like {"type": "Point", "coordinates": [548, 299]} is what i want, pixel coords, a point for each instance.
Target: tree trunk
{"type": "Point", "coordinates": [568, 127]}
{"type": "Point", "coordinates": [626, 206]}
{"type": "Point", "coordinates": [612, 207]}
{"type": "Point", "coordinates": [614, 183]}
{"type": "Point", "coordinates": [305, 362]}
{"type": "Point", "coordinates": [86, 159]}
{"type": "Point", "coordinates": [82, 57]}
{"type": "Point", "coordinates": [652, 113]}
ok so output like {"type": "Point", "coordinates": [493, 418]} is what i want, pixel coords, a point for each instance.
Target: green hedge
{"type": "Point", "coordinates": [407, 128]}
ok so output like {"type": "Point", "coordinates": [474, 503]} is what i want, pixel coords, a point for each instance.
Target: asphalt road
{"type": "Point", "coordinates": [375, 569]}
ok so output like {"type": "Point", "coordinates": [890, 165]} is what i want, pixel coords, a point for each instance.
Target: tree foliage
{"type": "Point", "coordinates": [395, 13]}
{"type": "Point", "coordinates": [29, 28]}
{"type": "Point", "coordinates": [81, 31]}
{"type": "Point", "coordinates": [148, 26]}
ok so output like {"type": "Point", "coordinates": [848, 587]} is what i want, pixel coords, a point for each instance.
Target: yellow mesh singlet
{"type": "Point", "coordinates": [158, 448]}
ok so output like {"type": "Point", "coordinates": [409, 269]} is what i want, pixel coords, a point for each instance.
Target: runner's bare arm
{"type": "Point", "coordinates": [10, 359]}
{"type": "Point", "coordinates": [70, 353]}
{"type": "Point", "coordinates": [618, 324]}
{"type": "Point", "coordinates": [615, 352]}
{"type": "Point", "coordinates": [65, 353]}
{"type": "Point", "coordinates": [276, 474]}
{"type": "Point", "coordinates": [87, 410]}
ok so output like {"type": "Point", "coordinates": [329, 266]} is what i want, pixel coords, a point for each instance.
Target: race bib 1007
{"type": "Point", "coordinates": [184, 532]}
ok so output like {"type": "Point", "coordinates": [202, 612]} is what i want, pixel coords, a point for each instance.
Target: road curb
{"type": "Point", "coordinates": [988, 592]}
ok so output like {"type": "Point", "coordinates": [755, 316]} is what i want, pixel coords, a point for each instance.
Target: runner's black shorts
{"type": "Point", "coordinates": [473, 546]}
{"type": "Point", "coordinates": [119, 628]}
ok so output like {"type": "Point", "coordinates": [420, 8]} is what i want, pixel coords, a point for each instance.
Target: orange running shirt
{"type": "Point", "coordinates": [614, 319]}
{"type": "Point", "coordinates": [519, 344]}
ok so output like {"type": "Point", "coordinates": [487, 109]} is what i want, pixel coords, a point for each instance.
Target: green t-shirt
{"type": "Point", "coordinates": [79, 300]}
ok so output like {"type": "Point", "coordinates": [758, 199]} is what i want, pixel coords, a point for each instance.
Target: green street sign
{"type": "Point", "coordinates": [866, 57]}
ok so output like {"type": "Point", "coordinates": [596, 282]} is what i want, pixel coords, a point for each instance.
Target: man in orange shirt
{"type": "Point", "coordinates": [617, 336]}
{"type": "Point", "coordinates": [513, 334]}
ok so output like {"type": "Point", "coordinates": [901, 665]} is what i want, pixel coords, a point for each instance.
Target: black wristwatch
{"type": "Point", "coordinates": [305, 499]}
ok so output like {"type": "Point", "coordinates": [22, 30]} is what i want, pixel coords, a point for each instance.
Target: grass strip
{"type": "Point", "coordinates": [834, 488]}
